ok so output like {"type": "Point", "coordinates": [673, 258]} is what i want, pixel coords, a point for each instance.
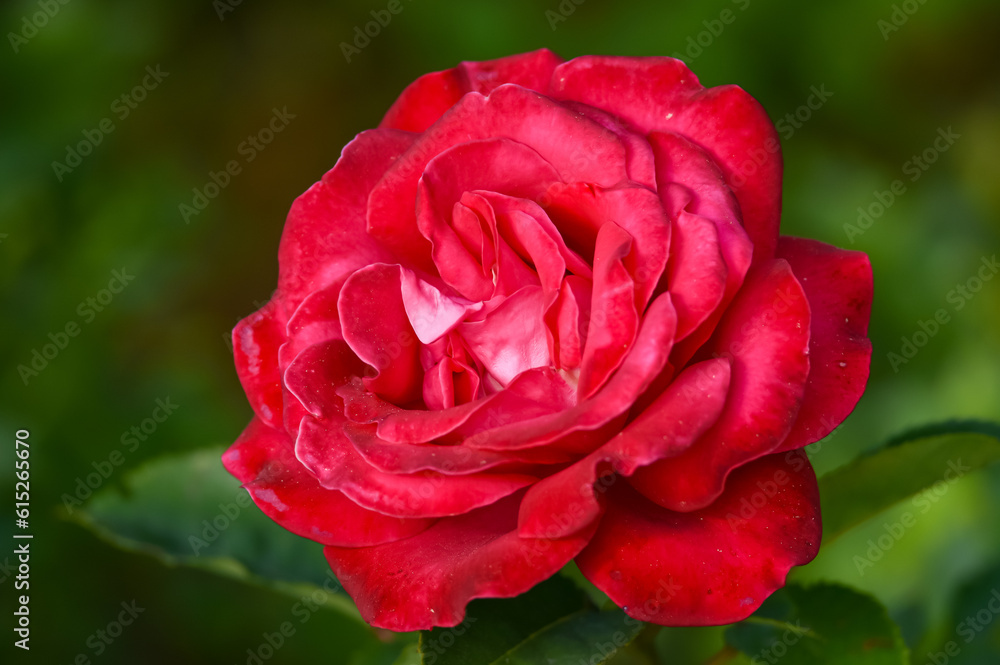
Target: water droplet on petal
{"type": "Point", "coordinates": [615, 575]}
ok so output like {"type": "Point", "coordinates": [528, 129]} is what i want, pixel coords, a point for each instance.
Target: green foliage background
{"type": "Point", "coordinates": [165, 334]}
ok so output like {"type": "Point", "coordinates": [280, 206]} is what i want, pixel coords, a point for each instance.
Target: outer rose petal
{"type": "Point", "coordinates": [426, 99]}
{"type": "Point", "coordinates": [324, 237]}
{"type": "Point", "coordinates": [256, 340]}
{"type": "Point", "coordinates": [716, 565]}
{"type": "Point", "coordinates": [662, 94]}
{"type": "Point", "coordinates": [427, 580]}
{"type": "Point", "coordinates": [838, 284]}
{"type": "Point", "coordinates": [262, 459]}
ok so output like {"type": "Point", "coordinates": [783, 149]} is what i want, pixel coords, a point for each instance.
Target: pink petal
{"type": "Point", "coordinates": [838, 284]}
{"type": "Point", "coordinates": [256, 340]}
{"type": "Point", "coordinates": [324, 449]}
{"type": "Point", "coordinates": [325, 237]}
{"type": "Point", "coordinates": [427, 98]}
{"type": "Point", "coordinates": [714, 566]}
{"type": "Point", "coordinates": [263, 460]}
{"type": "Point", "coordinates": [569, 500]}
{"type": "Point", "coordinates": [661, 94]}
{"type": "Point", "coordinates": [512, 338]}
{"type": "Point", "coordinates": [645, 361]}
{"type": "Point", "coordinates": [428, 580]}
{"type": "Point", "coordinates": [765, 333]}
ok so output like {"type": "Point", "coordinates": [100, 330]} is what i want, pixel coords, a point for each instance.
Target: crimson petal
{"type": "Point", "coordinates": [714, 566]}
{"type": "Point", "coordinates": [427, 580]}
{"type": "Point", "coordinates": [662, 94]}
{"type": "Point", "coordinates": [324, 449]}
{"type": "Point", "coordinates": [427, 98]}
{"type": "Point", "coordinates": [263, 460]}
{"type": "Point", "coordinates": [838, 284]}
{"type": "Point", "coordinates": [765, 332]}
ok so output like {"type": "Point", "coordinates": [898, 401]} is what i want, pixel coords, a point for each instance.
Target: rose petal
{"type": "Point", "coordinates": [325, 234]}
{"type": "Point", "coordinates": [427, 98]}
{"type": "Point", "coordinates": [256, 340]}
{"type": "Point", "coordinates": [378, 330]}
{"type": "Point", "coordinates": [614, 320]}
{"type": "Point", "coordinates": [662, 94]}
{"type": "Point", "coordinates": [579, 210]}
{"type": "Point", "coordinates": [313, 377]}
{"type": "Point", "coordinates": [838, 284]}
{"type": "Point", "coordinates": [512, 338]}
{"type": "Point", "coordinates": [531, 394]}
{"type": "Point", "coordinates": [579, 149]}
{"type": "Point", "coordinates": [567, 501]}
{"type": "Point", "coordinates": [324, 449]}
{"type": "Point", "coordinates": [499, 165]}
{"type": "Point", "coordinates": [448, 460]}
{"type": "Point", "coordinates": [714, 566]}
{"type": "Point", "coordinates": [428, 580]}
{"type": "Point", "coordinates": [263, 460]}
{"type": "Point", "coordinates": [765, 333]}
{"type": "Point", "coordinates": [645, 361]}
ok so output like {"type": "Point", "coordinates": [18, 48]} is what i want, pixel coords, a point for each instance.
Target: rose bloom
{"type": "Point", "coordinates": [542, 314]}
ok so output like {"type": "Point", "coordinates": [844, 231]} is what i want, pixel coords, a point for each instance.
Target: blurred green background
{"type": "Point", "coordinates": [225, 67]}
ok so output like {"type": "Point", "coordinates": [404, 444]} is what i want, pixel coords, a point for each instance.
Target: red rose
{"type": "Point", "coordinates": [542, 313]}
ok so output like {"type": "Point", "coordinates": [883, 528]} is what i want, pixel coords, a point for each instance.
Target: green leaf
{"type": "Point", "coordinates": [554, 623]}
{"type": "Point", "coordinates": [906, 466]}
{"type": "Point", "coordinates": [189, 511]}
{"type": "Point", "coordinates": [825, 624]}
